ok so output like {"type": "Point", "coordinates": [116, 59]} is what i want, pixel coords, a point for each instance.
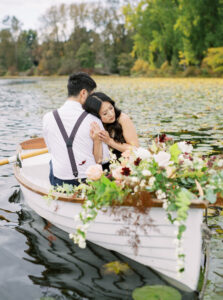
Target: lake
{"type": "Point", "coordinates": [39, 261]}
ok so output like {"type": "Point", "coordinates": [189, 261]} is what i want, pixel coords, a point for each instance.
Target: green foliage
{"type": "Point", "coordinates": [125, 63]}
{"type": "Point", "coordinates": [85, 56]}
{"type": "Point", "coordinates": [156, 292]}
{"type": "Point", "coordinates": [175, 151]}
{"type": "Point", "coordinates": [163, 37]}
{"type": "Point", "coordinates": [179, 32]}
{"type": "Point", "coordinates": [214, 59]}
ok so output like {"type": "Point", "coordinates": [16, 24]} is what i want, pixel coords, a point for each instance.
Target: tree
{"type": "Point", "coordinates": [199, 22]}
{"type": "Point", "coordinates": [85, 56]}
{"type": "Point", "coordinates": [155, 39]}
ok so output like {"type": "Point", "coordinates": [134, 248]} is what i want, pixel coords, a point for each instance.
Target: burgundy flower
{"type": "Point", "coordinates": [137, 161]}
{"type": "Point", "coordinates": [163, 138]}
{"type": "Point", "coordinates": [209, 163]}
{"type": "Point", "coordinates": [125, 171]}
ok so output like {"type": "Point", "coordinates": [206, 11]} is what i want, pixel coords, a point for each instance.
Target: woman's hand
{"type": "Point", "coordinates": [94, 131]}
{"type": "Point", "coordinates": [104, 137]}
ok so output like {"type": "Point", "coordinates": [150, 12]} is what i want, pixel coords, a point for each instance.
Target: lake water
{"type": "Point", "coordinates": [38, 261]}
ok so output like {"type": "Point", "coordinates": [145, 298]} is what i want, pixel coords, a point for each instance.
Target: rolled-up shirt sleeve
{"type": "Point", "coordinates": [105, 149]}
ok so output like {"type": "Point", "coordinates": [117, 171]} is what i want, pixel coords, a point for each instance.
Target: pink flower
{"type": "Point", "coordinates": [116, 173]}
{"type": "Point", "coordinates": [126, 154]}
{"type": "Point", "coordinates": [94, 172]}
{"type": "Point", "coordinates": [118, 182]}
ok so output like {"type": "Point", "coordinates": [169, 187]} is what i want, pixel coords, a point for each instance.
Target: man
{"type": "Point", "coordinates": [67, 134]}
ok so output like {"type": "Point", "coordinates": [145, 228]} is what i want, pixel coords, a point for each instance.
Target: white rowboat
{"type": "Point", "coordinates": [156, 248]}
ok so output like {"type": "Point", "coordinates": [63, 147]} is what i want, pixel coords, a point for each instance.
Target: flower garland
{"type": "Point", "coordinates": [173, 171]}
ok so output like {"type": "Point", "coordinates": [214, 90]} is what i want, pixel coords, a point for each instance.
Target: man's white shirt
{"type": "Point", "coordinates": [82, 145]}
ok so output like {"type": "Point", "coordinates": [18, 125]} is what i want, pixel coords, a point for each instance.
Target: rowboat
{"type": "Point", "coordinates": [155, 235]}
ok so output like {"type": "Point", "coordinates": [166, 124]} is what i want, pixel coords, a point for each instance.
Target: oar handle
{"type": "Point", "coordinates": [4, 162]}
{"type": "Point", "coordinates": [35, 153]}
{"type": "Point", "coordinates": [23, 156]}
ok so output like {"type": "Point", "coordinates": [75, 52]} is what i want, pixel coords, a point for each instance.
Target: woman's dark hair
{"type": "Point", "coordinates": [78, 82]}
{"type": "Point", "coordinates": [93, 105]}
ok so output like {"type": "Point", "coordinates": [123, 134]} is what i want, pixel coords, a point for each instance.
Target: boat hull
{"type": "Point", "coordinates": [114, 228]}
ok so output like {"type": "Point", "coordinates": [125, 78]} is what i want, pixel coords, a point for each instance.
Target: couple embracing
{"type": "Point", "coordinates": [80, 133]}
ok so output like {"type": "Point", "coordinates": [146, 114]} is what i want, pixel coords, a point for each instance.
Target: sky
{"type": "Point", "coordinates": [28, 11]}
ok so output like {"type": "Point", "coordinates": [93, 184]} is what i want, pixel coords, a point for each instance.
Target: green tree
{"type": "Point", "coordinates": [27, 44]}
{"type": "Point", "coordinates": [200, 23]}
{"type": "Point", "coordinates": [155, 39]}
{"type": "Point", "coordinates": [85, 56]}
{"type": "Point", "coordinates": [7, 57]}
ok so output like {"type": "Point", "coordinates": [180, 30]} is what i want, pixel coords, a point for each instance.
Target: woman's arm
{"type": "Point", "coordinates": [97, 144]}
{"type": "Point", "coordinates": [129, 133]}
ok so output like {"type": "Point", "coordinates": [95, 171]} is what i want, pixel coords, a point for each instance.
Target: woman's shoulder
{"type": "Point", "coordinates": [123, 118]}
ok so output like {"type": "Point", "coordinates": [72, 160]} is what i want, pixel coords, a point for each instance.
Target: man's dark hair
{"type": "Point", "coordinates": [78, 82]}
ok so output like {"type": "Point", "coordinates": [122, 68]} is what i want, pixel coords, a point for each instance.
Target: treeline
{"type": "Point", "coordinates": [149, 37]}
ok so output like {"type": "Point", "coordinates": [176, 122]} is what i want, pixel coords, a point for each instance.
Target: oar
{"type": "Point", "coordinates": [23, 156]}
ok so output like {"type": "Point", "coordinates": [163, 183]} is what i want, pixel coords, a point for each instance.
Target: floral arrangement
{"type": "Point", "coordinates": [173, 172]}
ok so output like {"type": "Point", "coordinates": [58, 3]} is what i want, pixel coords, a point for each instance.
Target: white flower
{"type": "Point", "coordinates": [165, 204]}
{"type": "Point", "coordinates": [160, 195]}
{"type": "Point", "coordinates": [142, 153]}
{"type": "Point", "coordinates": [146, 173]}
{"type": "Point", "coordinates": [71, 235]}
{"type": "Point", "coordinates": [184, 147]}
{"type": "Point", "coordinates": [136, 188]}
{"type": "Point", "coordinates": [177, 223]}
{"type": "Point", "coordinates": [134, 179]}
{"type": "Point", "coordinates": [88, 203]}
{"type": "Point", "coordinates": [89, 216]}
{"type": "Point", "coordinates": [82, 244]}
{"type": "Point", "coordinates": [143, 183]}
{"type": "Point", "coordinates": [220, 163]}
{"type": "Point", "coordinates": [162, 158]}
{"type": "Point", "coordinates": [86, 226]}
{"type": "Point", "coordinates": [180, 263]}
{"type": "Point", "coordinates": [152, 180]}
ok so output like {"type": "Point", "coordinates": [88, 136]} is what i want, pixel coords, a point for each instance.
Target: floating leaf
{"type": "Point", "coordinates": [116, 267]}
{"type": "Point", "coordinates": [156, 292]}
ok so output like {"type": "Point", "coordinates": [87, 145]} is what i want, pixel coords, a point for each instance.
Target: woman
{"type": "Point", "coordinates": [119, 133]}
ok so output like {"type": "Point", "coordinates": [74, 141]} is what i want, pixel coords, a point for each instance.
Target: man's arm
{"type": "Point", "coordinates": [97, 144]}
{"type": "Point", "coordinates": [105, 156]}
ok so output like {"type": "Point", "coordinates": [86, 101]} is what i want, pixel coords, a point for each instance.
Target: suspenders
{"type": "Point", "coordinates": [69, 140]}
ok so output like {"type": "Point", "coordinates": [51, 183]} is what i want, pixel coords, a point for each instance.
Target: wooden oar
{"type": "Point", "coordinates": [36, 143]}
{"type": "Point", "coordinates": [23, 156]}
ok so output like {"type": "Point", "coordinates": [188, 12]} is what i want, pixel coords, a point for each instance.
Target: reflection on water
{"type": "Point", "coordinates": [38, 260]}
